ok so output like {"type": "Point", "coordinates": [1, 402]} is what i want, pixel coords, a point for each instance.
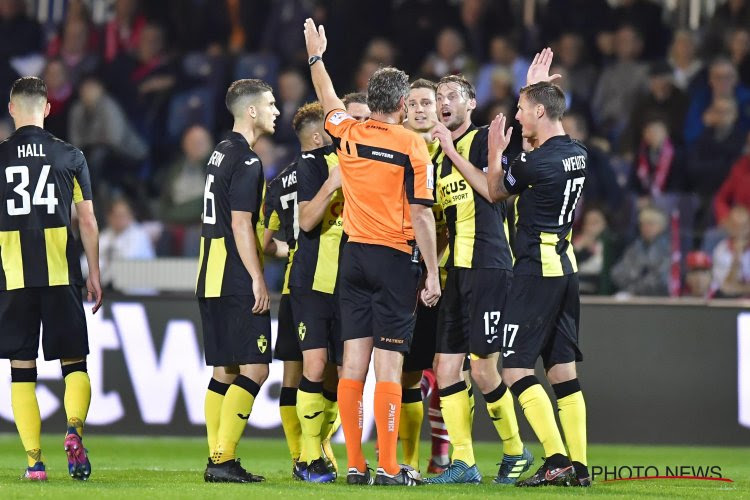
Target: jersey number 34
{"type": "Point", "coordinates": [20, 174]}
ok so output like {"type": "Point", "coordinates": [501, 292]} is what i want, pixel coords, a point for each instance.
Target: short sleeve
{"type": "Point", "coordinates": [244, 195]}
{"type": "Point", "coordinates": [479, 149]}
{"type": "Point", "coordinates": [419, 176]}
{"type": "Point", "coordinates": [310, 177]}
{"type": "Point", "coordinates": [337, 123]}
{"type": "Point", "coordinates": [81, 179]}
{"type": "Point", "coordinates": [270, 208]}
{"type": "Point", "coordinates": [520, 174]}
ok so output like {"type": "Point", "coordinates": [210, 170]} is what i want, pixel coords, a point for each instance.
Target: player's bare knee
{"type": "Point", "coordinates": [485, 374]}
{"type": "Point", "coordinates": [314, 367]}
{"type": "Point", "coordinates": [258, 373]}
{"type": "Point", "coordinates": [15, 363]}
{"type": "Point", "coordinates": [562, 372]}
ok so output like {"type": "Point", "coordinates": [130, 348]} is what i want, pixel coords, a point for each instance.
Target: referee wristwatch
{"type": "Point", "coordinates": [313, 60]}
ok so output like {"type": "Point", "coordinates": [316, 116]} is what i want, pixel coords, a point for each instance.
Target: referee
{"type": "Point", "coordinates": [388, 186]}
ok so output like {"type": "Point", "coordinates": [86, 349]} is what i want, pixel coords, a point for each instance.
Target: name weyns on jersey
{"type": "Point", "coordinates": [574, 163]}
{"type": "Point", "coordinates": [26, 150]}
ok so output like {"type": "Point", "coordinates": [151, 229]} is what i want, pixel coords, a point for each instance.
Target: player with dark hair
{"type": "Point", "coordinates": [543, 308]}
{"type": "Point", "coordinates": [40, 280]}
{"type": "Point", "coordinates": [231, 290]}
{"type": "Point", "coordinates": [355, 104]}
{"type": "Point", "coordinates": [314, 291]}
{"type": "Point", "coordinates": [479, 275]}
{"type": "Point", "coordinates": [387, 183]}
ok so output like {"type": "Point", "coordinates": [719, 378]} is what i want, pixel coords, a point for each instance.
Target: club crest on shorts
{"type": "Point", "coordinates": [262, 344]}
{"type": "Point", "coordinates": [301, 331]}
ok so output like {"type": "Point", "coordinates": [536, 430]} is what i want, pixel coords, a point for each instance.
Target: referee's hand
{"type": "Point", "coordinates": [431, 292]}
{"type": "Point", "coordinates": [315, 38]}
{"type": "Point", "coordinates": [262, 300]}
{"type": "Point", "coordinates": [94, 292]}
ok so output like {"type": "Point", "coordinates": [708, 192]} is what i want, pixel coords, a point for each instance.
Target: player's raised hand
{"type": "Point", "coordinates": [262, 299]}
{"type": "Point", "coordinates": [315, 38]}
{"type": "Point", "coordinates": [94, 292]}
{"type": "Point", "coordinates": [539, 69]}
{"type": "Point", "coordinates": [441, 133]}
{"type": "Point", "coordinates": [498, 138]}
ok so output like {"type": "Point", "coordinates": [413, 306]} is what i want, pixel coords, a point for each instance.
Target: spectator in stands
{"type": "Point", "coordinates": [449, 58]}
{"type": "Point", "coordinates": [601, 187]}
{"type": "Point", "coordinates": [364, 72]}
{"type": "Point", "coordinates": [562, 16]}
{"type": "Point", "coordinates": [697, 275]}
{"type": "Point", "coordinates": [382, 51]}
{"type": "Point", "coordinates": [645, 265]}
{"type": "Point", "coordinates": [662, 98]}
{"type": "Point", "coordinates": [282, 35]}
{"type": "Point", "coordinates": [123, 238]}
{"type": "Point", "coordinates": [99, 126]}
{"type": "Point", "coordinates": [620, 83]}
{"type": "Point", "coordinates": [736, 187]}
{"type": "Point", "coordinates": [659, 165]}
{"type": "Point", "coordinates": [503, 56]}
{"type": "Point", "coordinates": [682, 58]}
{"type": "Point", "coordinates": [594, 249]}
{"type": "Point", "coordinates": [723, 82]}
{"type": "Point", "coordinates": [20, 42]}
{"type": "Point", "coordinates": [731, 269]}
{"type": "Point", "coordinates": [738, 47]}
{"type": "Point", "coordinates": [480, 19]}
{"type": "Point", "coordinates": [713, 155]}
{"type": "Point", "coordinates": [123, 32]}
{"type": "Point", "coordinates": [646, 17]}
{"type": "Point", "coordinates": [74, 49]}
{"type": "Point", "coordinates": [581, 74]}
{"type": "Point", "coordinates": [59, 96]}
{"type": "Point", "coordinates": [730, 14]}
{"type": "Point", "coordinates": [293, 93]}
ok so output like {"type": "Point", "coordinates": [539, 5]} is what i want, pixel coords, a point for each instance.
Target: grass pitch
{"type": "Point", "coordinates": [167, 468]}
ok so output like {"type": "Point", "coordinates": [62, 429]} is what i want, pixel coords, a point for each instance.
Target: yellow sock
{"type": "Point", "coordinates": [454, 404]}
{"type": "Point", "coordinates": [26, 412]}
{"type": "Point", "coordinates": [235, 411]}
{"type": "Point", "coordinates": [311, 410]}
{"type": "Point", "coordinates": [77, 395]}
{"type": "Point", "coordinates": [331, 414]}
{"type": "Point", "coordinates": [212, 410]}
{"type": "Point", "coordinates": [503, 415]}
{"type": "Point", "coordinates": [572, 413]}
{"type": "Point", "coordinates": [538, 411]}
{"type": "Point", "coordinates": [471, 405]}
{"type": "Point", "coordinates": [410, 425]}
{"type": "Point", "coordinates": [290, 421]}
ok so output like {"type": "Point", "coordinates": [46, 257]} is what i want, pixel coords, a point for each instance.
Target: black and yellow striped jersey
{"type": "Point", "coordinates": [476, 228]}
{"type": "Point", "coordinates": [282, 214]}
{"type": "Point", "coordinates": [43, 177]}
{"type": "Point", "coordinates": [549, 181]}
{"type": "Point", "coordinates": [234, 181]}
{"type": "Point", "coordinates": [316, 261]}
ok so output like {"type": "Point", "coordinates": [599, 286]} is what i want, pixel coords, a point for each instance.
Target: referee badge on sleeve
{"type": "Point", "coordinates": [262, 344]}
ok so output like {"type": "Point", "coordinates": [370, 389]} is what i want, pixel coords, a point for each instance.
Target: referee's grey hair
{"type": "Point", "coordinates": [241, 89]}
{"type": "Point", "coordinates": [549, 95]}
{"type": "Point", "coordinates": [385, 90]}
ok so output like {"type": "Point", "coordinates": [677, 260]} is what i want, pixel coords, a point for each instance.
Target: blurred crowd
{"type": "Point", "coordinates": [664, 110]}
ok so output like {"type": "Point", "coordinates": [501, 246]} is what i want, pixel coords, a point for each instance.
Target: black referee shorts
{"type": "Point", "coordinates": [470, 314]}
{"type": "Point", "coordinates": [232, 334]}
{"type": "Point", "coordinates": [541, 319]}
{"type": "Point", "coordinates": [378, 295]}
{"type": "Point", "coordinates": [287, 347]}
{"type": "Point", "coordinates": [59, 310]}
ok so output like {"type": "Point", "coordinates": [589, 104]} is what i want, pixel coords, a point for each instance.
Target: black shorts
{"type": "Point", "coordinates": [59, 310]}
{"type": "Point", "coordinates": [317, 322]}
{"type": "Point", "coordinates": [422, 351]}
{"type": "Point", "coordinates": [541, 319]}
{"type": "Point", "coordinates": [472, 305]}
{"type": "Point", "coordinates": [287, 347]}
{"type": "Point", "coordinates": [378, 295]}
{"type": "Point", "coordinates": [232, 334]}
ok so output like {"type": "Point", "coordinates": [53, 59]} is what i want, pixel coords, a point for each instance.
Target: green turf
{"type": "Point", "coordinates": [125, 467]}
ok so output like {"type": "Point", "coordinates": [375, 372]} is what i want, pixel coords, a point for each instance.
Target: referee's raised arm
{"type": "Point", "coordinates": [316, 42]}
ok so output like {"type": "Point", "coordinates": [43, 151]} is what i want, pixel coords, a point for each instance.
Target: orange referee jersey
{"type": "Point", "coordinates": [384, 169]}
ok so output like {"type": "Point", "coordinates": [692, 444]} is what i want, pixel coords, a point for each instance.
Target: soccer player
{"type": "Point", "coordinates": [385, 174]}
{"type": "Point", "coordinates": [281, 216]}
{"type": "Point", "coordinates": [356, 106]}
{"type": "Point", "coordinates": [41, 276]}
{"type": "Point", "coordinates": [543, 307]}
{"type": "Point", "coordinates": [231, 290]}
{"type": "Point", "coordinates": [313, 285]}
{"type": "Point", "coordinates": [418, 381]}
{"type": "Point", "coordinates": [479, 275]}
